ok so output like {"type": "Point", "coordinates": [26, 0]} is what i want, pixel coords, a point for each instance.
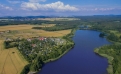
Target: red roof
{"type": "Point", "coordinates": [42, 38]}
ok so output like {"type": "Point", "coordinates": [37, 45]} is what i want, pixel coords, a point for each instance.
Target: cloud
{"type": "Point", "coordinates": [37, 7]}
{"type": "Point", "coordinates": [3, 7]}
{"type": "Point", "coordinates": [98, 8]}
{"type": "Point", "coordinates": [56, 6]}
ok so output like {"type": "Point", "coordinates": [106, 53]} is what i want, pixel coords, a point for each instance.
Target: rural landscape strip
{"type": "Point", "coordinates": [10, 56]}
{"type": "Point", "coordinates": [56, 32]}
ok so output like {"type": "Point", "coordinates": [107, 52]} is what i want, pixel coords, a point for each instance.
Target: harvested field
{"type": "Point", "coordinates": [15, 27]}
{"type": "Point", "coordinates": [34, 33]}
{"type": "Point", "coordinates": [26, 31]}
{"type": "Point", "coordinates": [22, 27]}
{"type": "Point", "coordinates": [12, 62]}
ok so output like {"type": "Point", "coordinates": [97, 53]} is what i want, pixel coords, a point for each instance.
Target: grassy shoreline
{"type": "Point", "coordinates": [109, 58]}
{"type": "Point", "coordinates": [54, 59]}
{"type": "Point", "coordinates": [50, 60]}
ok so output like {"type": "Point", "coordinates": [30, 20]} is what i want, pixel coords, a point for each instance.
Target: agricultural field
{"type": "Point", "coordinates": [26, 31]}
{"type": "Point", "coordinates": [12, 62]}
{"type": "Point", "coordinates": [15, 27]}
{"type": "Point", "coordinates": [23, 26]}
{"type": "Point", "coordinates": [29, 33]}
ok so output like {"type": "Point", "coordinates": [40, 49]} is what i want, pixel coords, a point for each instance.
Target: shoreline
{"type": "Point", "coordinates": [61, 55]}
{"type": "Point", "coordinates": [51, 60]}
{"type": "Point", "coordinates": [109, 58]}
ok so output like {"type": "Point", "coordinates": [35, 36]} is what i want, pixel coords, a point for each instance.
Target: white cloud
{"type": "Point", "coordinates": [56, 6]}
{"type": "Point", "coordinates": [97, 8]}
{"type": "Point", "coordinates": [3, 7]}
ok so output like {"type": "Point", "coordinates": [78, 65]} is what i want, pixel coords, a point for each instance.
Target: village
{"type": "Point", "coordinates": [26, 45]}
{"type": "Point", "coordinates": [41, 45]}
{"type": "Point", "coordinates": [35, 45]}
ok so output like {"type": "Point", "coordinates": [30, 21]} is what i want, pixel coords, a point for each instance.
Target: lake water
{"type": "Point", "coordinates": [81, 59]}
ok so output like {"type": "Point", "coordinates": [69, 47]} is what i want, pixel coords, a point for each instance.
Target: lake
{"type": "Point", "coordinates": [81, 59]}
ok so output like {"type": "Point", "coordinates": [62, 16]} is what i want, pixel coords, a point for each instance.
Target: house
{"type": "Point", "coordinates": [8, 31]}
{"type": "Point", "coordinates": [34, 45]}
{"type": "Point", "coordinates": [1, 32]}
{"type": "Point", "coordinates": [8, 39]}
{"type": "Point", "coordinates": [29, 39]}
{"type": "Point", "coordinates": [41, 39]}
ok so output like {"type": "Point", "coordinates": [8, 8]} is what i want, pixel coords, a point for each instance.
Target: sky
{"type": "Point", "coordinates": [59, 7]}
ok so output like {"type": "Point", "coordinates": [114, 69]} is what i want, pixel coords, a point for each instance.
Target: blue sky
{"type": "Point", "coordinates": [59, 7]}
